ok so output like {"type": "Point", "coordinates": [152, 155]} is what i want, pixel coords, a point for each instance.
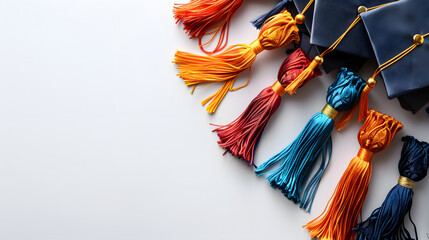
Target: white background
{"type": "Point", "coordinates": [99, 139]}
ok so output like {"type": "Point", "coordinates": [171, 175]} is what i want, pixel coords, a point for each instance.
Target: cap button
{"type": "Point", "coordinates": [362, 9]}
{"type": "Point", "coordinates": [371, 82]}
{"type": "Point", "coordinates": [318, 59]}
{"type": "Point", "coordinates": [418, 39]}
{"type": "Point", "coordinates": [300, 18]}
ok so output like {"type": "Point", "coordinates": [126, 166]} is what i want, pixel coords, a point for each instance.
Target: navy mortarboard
{"type": "Point", "coordinates": [332, 17]}
{"type": "Point", "coordinates": [335, 59]}
{"type": "Point", "coordinates": [391, 30]}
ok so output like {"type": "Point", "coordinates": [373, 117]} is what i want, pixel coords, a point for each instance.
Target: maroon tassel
{"type": "Point", "coordinates": [241, 136]}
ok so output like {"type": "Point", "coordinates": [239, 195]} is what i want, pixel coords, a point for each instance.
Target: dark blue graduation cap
{"type": "Point", "coordinates": [416, 100]}
{"type": "Point", "coordinates": [332, 17]}
{"type": "Point", "coordinates": [332, 61]}
{"type": "Point", "coordinates": [391, 30]}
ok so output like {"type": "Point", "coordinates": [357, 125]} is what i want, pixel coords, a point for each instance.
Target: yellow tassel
{"type": "Point", "coordinates": [225, 67]}
{"type": "Point", "coordinates": [217, 97]}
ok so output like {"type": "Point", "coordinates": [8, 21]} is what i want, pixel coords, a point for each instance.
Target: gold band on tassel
{"type": "Point", "coordinates": [406, 182]}
{"type": "Point", "coordinates": [329, 111]}
{"type": "Point", "coordinates": [278, 88]}
{"type": "Point", "coordinates": [365, 154]}
{"type": "Point", "coordinates": [256, 46]}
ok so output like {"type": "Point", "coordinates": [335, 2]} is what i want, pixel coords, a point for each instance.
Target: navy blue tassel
{"type": "Point", "coordinates": [387, 221]}
{"type": "Point", "coordinates": [298, 159]}
{"type": "Point", "coordinates": [259, 21]}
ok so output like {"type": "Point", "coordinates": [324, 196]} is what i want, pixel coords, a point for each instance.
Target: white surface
{"type": "Point", "coordinates": [100, 140]}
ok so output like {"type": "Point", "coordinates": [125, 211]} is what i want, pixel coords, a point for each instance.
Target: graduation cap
{"type": "Point", "coordinates": [391, 30]}
{"type": "Point", "coordinates": [335, 59]}
{"type": "Point", "coordinates": [414, 101]}
{"type": "Point", "coordinates": [332, 17]}
{"type": "Point", "coordinates": [332, 61]}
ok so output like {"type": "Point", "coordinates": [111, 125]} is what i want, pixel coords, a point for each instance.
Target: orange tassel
{"type": "Point", "coordinates": [363, 101]}
{"type": "Point", "coordinates": [345, 206]}
{"type": "Point", "coordinates": [207, 17]}
{"type": "Point", "coordinates": [345, 118]}
{"type": "Point", "coordinates": [225, 67]}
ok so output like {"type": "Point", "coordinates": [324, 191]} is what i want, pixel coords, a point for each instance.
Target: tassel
{"type": "Point", "coordinates": [241, 136]}
{"type": "Point", "coordinates": [259, 21]}
{"type": "Point", "coordinates": [207, 17]}
{"type": "Point", "coordinates": [345, 205]}
{"type": "Point", "coordinates": [292, 87]}
{"type": "Point", "coordinates": [225, 67]}
{"type": "Point", "coordinates": [387, 221]}
{"type": "Point", "coordinates": [363, 102]}
{"type": "Point", "coordinates": [299, 158]}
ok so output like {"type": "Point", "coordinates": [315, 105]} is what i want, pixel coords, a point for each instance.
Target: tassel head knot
{"type": "Point", "coordinates": [414, 159]}
{"type": "Point", "coordinates": [278, 31]}
{"type": "Point", "coordinates": [378, 131]}
{"type": "Point", "coordinates": [344, 93]}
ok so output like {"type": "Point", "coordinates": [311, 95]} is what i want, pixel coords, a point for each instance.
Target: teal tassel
{"type": "Point", "coordinates": [297, 160]}
{"type": "Point", "coordinates": [259, 21]}
{"type": "Point", "coordinates": [387, 221]}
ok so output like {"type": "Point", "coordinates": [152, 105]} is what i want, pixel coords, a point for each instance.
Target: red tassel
{"type": "Point", "coordinates": [207, 17]}
{"type": "Point", "coordinates": [241, 136]}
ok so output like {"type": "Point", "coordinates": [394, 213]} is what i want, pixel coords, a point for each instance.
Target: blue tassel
{"type": "Point", "coordinates": [259, 21]}
{"type": "Point", "coordinates": [298, 159]}
{"type": "Point", "coordinates": [387, 221]}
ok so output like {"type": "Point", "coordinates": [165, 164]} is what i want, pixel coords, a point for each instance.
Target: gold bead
{"type": "Point", "coordinates": [362, 9]}
{"type": "Point", "coordinates": [319, 60]}
{"type": "Point", "coordinates": [418, 39]}
{"type": "Point", "coordinates": [371, 82]}
{"type": "Point", "coordinates": [299, 18]}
